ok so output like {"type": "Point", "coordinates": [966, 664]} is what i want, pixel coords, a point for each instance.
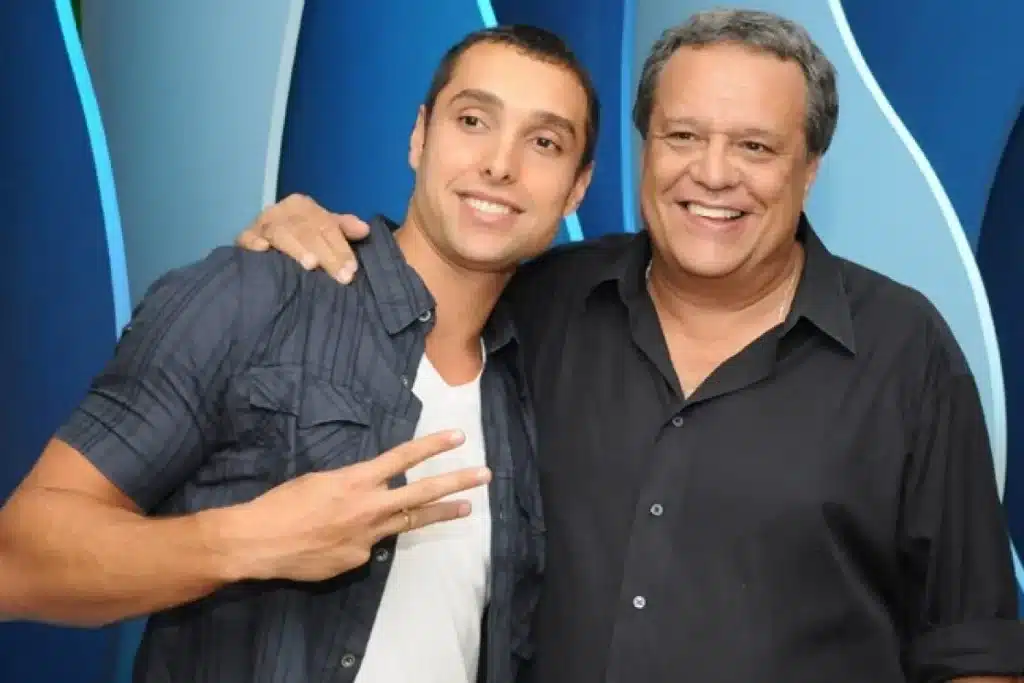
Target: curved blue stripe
{"type": "Point", "coordinates": [997, 412]}
{"type": "Point", "coordinates": [101, 162]}
{"type": "Point", "coordinates": [573, 228]}
{"type": "Point", "coordinates": [1018, 569]}
{"type": "Point", "coordinates": [626, 117]}
{"type": "Point", "coordinates": [487, 13]}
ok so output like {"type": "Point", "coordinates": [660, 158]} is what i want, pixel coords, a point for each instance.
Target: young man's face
{"type": "Point", "coordinates": [498, 163]}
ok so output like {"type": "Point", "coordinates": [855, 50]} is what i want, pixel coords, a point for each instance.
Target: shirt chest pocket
{"type": "Point", "coordinates": [287, 422]}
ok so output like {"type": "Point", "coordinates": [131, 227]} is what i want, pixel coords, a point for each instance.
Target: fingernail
{"type": "Point", "coordinates": [457, 436]}
{"type": "Point", "coordinates": [464, 509]}
{"type": "Point", "coordinates": [308, 261]}
{"type": "Point", "coordinates": [484, 474]}
{"type": "Point", "coordinates": [346, 272]}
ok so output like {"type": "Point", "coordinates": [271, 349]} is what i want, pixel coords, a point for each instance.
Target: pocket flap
{"type": "Point", "coordinates": [323, 402]}
{"type": "Point", "coordinates": [312, 400]}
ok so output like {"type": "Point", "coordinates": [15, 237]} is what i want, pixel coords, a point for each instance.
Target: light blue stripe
{"type": "Point", "coordinates": [573, 228]}
{"type": "Point", "coordinates": [487, 13]}
{"type": "Point", "coordinates": [963, 247]}
{"type": "Point", "coordinates": [101, 164]}
{"type": "Point", "coordinates": [626, 114]}
{"type": "Point", "coordinates": [1018, 569]}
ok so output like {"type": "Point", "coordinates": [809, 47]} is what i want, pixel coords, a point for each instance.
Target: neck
{"type": "Point", "coordinates": [464, 297]}
{"type": "Point", "coordinates": [708, 307]}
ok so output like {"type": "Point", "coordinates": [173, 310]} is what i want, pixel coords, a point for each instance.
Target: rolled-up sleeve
{"type": "Point", "coordinates": [960, 589]}
{"type": "Point", "coordinates": [151, 414]}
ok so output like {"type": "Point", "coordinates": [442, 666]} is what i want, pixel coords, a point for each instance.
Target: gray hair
{"type": "Point", "coordinates": [761, 31]}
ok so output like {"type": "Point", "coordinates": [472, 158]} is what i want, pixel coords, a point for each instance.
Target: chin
{"type": "Point", "coordinates": [711, 268]}
{"type": "Point", "coordinates": [486, 260]}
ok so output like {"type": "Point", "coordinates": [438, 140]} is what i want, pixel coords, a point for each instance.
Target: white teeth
{"type": "Point", "coordinates": [712, 211]}
{"type": "Point", "coordinates": [487, 207]}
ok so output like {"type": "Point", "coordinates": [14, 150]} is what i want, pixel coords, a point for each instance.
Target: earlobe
{"type": "Point", "coordinates": [812, 174]}
{"type": "Point", "coordinates": [579, 189]}
{"type": "Point", "coordinates": [416, 139]}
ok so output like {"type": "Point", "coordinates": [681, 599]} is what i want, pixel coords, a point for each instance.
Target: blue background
{"type": "Point", "coordinates": [162, 128]}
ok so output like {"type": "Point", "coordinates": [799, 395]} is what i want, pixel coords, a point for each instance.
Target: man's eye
{"type": "Point", "coordinates": [470, 120]}
{"type": "Point", "coordinates": [756, 147]}
{"type": "Point", "coordinates": [548, 144]}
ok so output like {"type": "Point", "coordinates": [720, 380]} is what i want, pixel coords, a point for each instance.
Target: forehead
{"type": "Point", "coordinates": [522, 82]}
{"type": "Point", "coordinates": [731, 84]}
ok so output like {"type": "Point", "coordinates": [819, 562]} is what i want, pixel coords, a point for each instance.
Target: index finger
{"type": "Point", "coordinates": [402, 457]}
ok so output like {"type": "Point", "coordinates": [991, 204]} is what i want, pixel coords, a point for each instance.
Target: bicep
{"type": "Point", "coordinates": [63, 468]}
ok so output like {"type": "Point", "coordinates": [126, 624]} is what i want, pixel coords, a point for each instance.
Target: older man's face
{"type": "Point", "coordinates": [726, 169]}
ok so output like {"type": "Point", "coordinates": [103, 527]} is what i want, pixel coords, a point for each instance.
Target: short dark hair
{"type": "Point", "coordinates": [534, 42]}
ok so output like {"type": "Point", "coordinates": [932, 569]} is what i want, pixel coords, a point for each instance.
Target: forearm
{"type": "Point", "coordinates": [68, 559]}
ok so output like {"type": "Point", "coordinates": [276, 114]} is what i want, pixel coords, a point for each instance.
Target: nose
{"type": "Point", "coordinates": [502, 162]}
{"type": "Point", "coordinates": [713, 168]}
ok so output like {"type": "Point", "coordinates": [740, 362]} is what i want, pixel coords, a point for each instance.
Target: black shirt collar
{"type": "Point", "coordinates": [821, 297]}
{"type": "Point", "coordinates": [401, 296]}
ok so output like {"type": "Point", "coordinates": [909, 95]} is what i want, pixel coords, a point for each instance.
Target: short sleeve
{"type": "Point", "coordinates": [151, 414]}
{"type": "Point", "coordinates": [959, 582]}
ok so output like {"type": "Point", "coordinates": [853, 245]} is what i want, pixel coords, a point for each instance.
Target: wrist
{"type": "Point", "coordinates": [231, 544]}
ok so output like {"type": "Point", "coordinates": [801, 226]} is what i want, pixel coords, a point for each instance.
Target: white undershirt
{"type": "Point", "coordinates": [427, 629]}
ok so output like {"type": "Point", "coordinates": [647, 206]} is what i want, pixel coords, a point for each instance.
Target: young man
{"type": "Point", "coordinates": [760, 461]}
{"type": "Point", "coordinates": [223, 472]}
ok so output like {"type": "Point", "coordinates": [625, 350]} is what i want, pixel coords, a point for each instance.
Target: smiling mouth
{"type": "Point", "coordinates": [718, 213]}
{"type": "Point", "coordinates": [492, 208]}
{"type": "Point", "coordinates": [489, 207]}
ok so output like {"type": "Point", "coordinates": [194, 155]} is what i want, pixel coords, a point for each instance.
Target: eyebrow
{"type": "Point", "coordinates": [749, 131]}
{"type": "Point", "coordinates": [489, 99]}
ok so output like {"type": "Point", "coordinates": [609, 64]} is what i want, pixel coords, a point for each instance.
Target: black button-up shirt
{"type": "Point", "coordinates": [822, 508]}
{"type": "Point", "coordinates": [243, 371]}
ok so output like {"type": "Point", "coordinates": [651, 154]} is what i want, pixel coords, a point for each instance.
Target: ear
{"type": "Point", "coordinates": [812, 173]}
{"type": "Point", "coordinates": [418, 138]}
{"type": "Point", "coordinates": [579, 189]}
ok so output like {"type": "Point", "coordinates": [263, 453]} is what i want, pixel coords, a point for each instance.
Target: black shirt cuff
{"type": "Point", "coordinates": [993, 647]}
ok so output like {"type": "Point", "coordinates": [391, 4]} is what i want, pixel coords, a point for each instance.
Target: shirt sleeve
{"type": "Point", "coordinates": [959, 582]}
{"type": "Point", "coordinates": [149, 417]}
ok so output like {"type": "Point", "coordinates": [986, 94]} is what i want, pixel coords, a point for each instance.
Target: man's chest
{"type": "Point", "coordinates": [805, 443]}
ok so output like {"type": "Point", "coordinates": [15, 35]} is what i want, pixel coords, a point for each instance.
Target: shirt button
{"type": "Point", "coordinates": [639, 602]}
{"type": "Point", "coordinates": [348, 661]}
{"type": "Point", "coordinates": [656, 509]}
{"type": "Point", "coordinates": [405, 381]}
{"type": "Point", "coordinates": [677, 421]}
{"type": "Point", "coordinates": [425, 316]}
{"type": "Point", "coordinates": [381, 555]}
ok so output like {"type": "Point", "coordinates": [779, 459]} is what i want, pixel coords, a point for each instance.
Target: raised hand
{"type": "Point", "coordinates": [309, 233]}
{"type": "Point", "coordinates": [325, 523]}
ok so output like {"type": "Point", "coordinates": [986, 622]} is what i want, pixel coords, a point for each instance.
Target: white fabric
{"type": "Point", "coordinates": [428, 627]}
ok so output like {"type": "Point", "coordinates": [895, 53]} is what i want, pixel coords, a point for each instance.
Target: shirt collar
{"type": "Point", "coordinates": [401, 296]}
{"type": "Point", "coordinates": [821, 297]}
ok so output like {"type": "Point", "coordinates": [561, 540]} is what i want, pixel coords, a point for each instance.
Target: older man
{"type": "Point", "coordinates": [760, 462]}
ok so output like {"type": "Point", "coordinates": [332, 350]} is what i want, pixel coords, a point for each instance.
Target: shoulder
{"type": "Point", "coordinates": [566, 273]}
{"type": "Point", "coordinates": [904, 323]}
{"type": "Point", "coordinates": [234, 286]}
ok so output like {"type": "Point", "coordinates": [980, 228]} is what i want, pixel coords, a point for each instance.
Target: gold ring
{"type": "Point", "coordinates": [408, 519]}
